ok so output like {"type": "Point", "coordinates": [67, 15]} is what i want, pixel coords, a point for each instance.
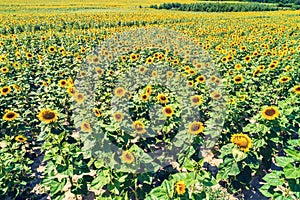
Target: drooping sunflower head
{"type": "Point", "coordinates": [10, 115]}
{"type": "Point", "coordinates": [47, 115]}
{"type": "Point", "coordinates": [196, 100]}
{"type": "Point", "coordinates": [127, 157]}
{"type": "Point", "coordinates": [5, 90]}
{"type": "Point", "coordinates": [139, 127]}
{"type": "Point", "coordinates": [168, 111]}
{"type": "Point", "coordinates": [238, 79]}
{"type": "Point", "coordinates": [180, 187]}
{"type": "Point", "coordinates": [86, 127]}
{"type": "Point", "coordinates": [270, 113]}
{"type": "Point", "coordinates": [243, 141]}
{"type": "Point", "coordinates": [196, 128]}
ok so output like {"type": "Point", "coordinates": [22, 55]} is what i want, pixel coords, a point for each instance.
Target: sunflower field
{"type": "Point", "coordinates": [116, 100]}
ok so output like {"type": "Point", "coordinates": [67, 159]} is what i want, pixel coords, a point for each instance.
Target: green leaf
{"type": "Point", "coordinates": [274, 178]}
{"type": "Point", "coordinates": [101, 180]}
{"type": "Point", "coordinates": [283, 161]}
{"type": "Point", "coordinates": [234, 169]}
{"type": "Point", "coordinates": [56, 186]}
{"type": "Point", "coordinates": [290, 171]}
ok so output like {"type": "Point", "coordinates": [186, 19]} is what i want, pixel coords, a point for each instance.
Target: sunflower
{"type": "Point", "coordinates": [10, 115]}
{"type": "Point", "coordinates": [224, 59]}
{"type": "Point", "coordinates": [99, 71]}
{"type": "Point", "coordinates": [20, 138]}
{"type": "Point", "coordinates": [97, 112]}
{"type": "Point", "coordinates": [118, 117]}
{"type": "Point", "coordinates": [216, 95]}
{"type": "Point", "coordinates": [139, 127]}
{"type": "Point", "coordinates": [238, 79]}
{"type": "Point", "coordinates": [142, 69]}
{"type": "Point", "coordinates": [4, 70]}
{"type": "Point", "coordinates": [272, 66]}
{"type": "Point", "coordinates": [51, 49]}
{"type": "Point", "coordinates": [148, 89]}
{"type": "Point", "coordinates": [284, 79]}
{"type": "Point", "coordinates": [296, 89]}
{"type": "Point", "coordinates": [213, 79]}
{"type": "Point", "coordinates": [180, 187]}
{"type": "Point", "coordinates": [201, 79]}
{"type": "Point", "coordinates": [144, 97]}
{"type": "Point", "coordinates": [71, 91]}
{"type": "Point", "coordinates": [86, 127]}
{"type": "Point", "coordinates": [238, 67]}
{"type": "Point", "coordinates": [149, 60]}
{"type": "Point", "coordinates": [247, 58]}
{"type": "Point", "coordinates": [29, 55]}
{"type": "Point", "coordinates": [119, 92]}
{"type": "Point", "coordinates": [243, 141]}
{"type": "Point", "coordinates": [79, 97]}
{"type": "Point", "coordinates": [170, 74]}
{"type": "Point", "coordinates": [133, 57]}
{"type": "Point", "coordinates": [127, 157]}
{"type": "Point", "coordinates": [47, 115]}
{"type": "Point", "coordinates": [5, 90]}
{"type": "Point", "coordinates": [162, 98]}
{"type": "Point", "coordinates": [195, 128]}
{"type": "Point", "coordinates": [190, 83]}
{"type": "Point", "coordinates": [168, 111]}
{"type": "Point", "coordinates": [154, 74]}
{"type": "Point", "coordinates": [123, 58]}
{"type": "Point", "coordinates": [196, 100]}
{"type": "Point", "coordinates": [270, 113]}
{"type": "Point", "coordinates": [16, 87]}
{"type": "Point", "coordinates": [63, 83]}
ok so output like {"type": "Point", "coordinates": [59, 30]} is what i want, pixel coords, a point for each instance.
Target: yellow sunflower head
{"type": "Point", "coordinates": [196, 100]}
{"type": "Point", "coordinates": [86, 127]}
{"type": "Point", "coordinates": [47, 115]}
{"type": "Point", "coordinates": [196, 128]}
{"type": "Point", "coordinates": [97, 112]}
{"type": "Point", "coordinates": [162, 98]}
{"type": "Point", "coordinates": [119, 92]}
{"type": "Point", "coordinates": [127, 157]}
{"type": "Point", "coordinates": [243, 141]}
{"type": "Point", "coordinates": [180, 187]}
{"type": "Point", "coordinates": [79, 98]}
{"type": "Point", "coordinates": [10, 115]}
{"type": "Point", "coordinates": [200, 79]}
{"type": "Point", "coordinates": [63, 83]}
{"type": "Point", "coordinates": [5, 90]}
{"type": "Point", "coordinates": [20, 138]}
{"type": "Point", "coordinates": [238, 79]}
{"type": "Point", "coordinates": [139, 127]}
{"type": "Point", "coordinates": [118, 117]}
{"type": "Point", "coordinates": [270, 113]}
{"type": "Point", "coordinates": [168, 111]}
{"type": "Point", "coordinates": [296, 89]}
{"type": "Point", "coordinates": [284, 79]}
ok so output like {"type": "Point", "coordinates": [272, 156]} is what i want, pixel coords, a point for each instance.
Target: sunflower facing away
{"type": "Point", "coordinates": [127, 157]}
{"type": "Point", "coordinates": [10, 115]}
{"type": "Point", "coordinates": [180, 187]}
{"type": "Point", "coordinates": [243, 141]}
{"type": "Point", "coordinates": [47, 115]}
{"type": "Point", "coordinates": [270, 113]}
